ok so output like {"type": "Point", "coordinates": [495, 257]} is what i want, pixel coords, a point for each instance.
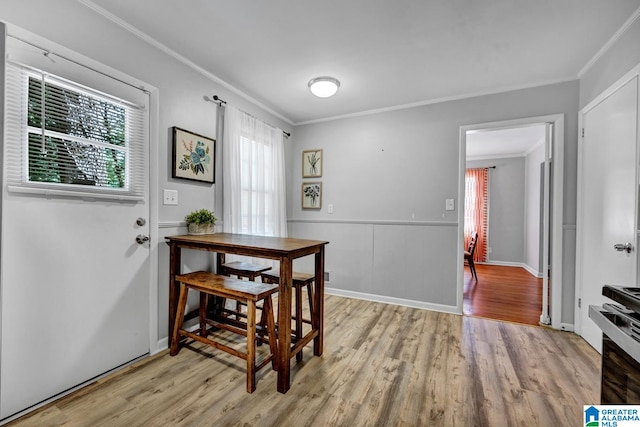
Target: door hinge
{"type": "Point", "coordinates": [583, 132]}
{"type": "Point", "coordinates": [579, 302]}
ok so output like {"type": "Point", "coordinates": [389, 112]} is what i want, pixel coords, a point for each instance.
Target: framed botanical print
{"type": "Point", "coordinates": [193, 156]}
{"type": "Point", "coordinates": [311, 195]}
{"type": "Point", "coordinates": [312, 163]}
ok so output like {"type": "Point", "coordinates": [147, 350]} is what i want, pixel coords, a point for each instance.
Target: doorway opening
{"type": "Point", "coordinates": [524, 200]}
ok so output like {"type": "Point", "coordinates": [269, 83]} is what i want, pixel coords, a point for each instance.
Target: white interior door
{"type": "Point", "coordinates": [607, 189]}
{"type": "Point", "coordinates": [75, 283]}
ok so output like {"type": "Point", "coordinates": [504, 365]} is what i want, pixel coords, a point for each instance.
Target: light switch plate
{"type": "Point", "coordinates": [450, 204]}
{"type": "Point", "coordinates": [170, 197]}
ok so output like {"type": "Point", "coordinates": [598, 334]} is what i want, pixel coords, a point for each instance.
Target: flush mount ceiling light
{"type": "Point", "coordinates": [323, 87]}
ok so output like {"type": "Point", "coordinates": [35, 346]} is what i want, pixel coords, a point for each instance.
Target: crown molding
{"type": "Point", "coordinates": [153, 42]}
{"type": "Point", "coordinates": [618, 34]}
{"type": "Point", "coordinates": [170, 52]}
{"type": "Point", "coordinates": [438, 100]}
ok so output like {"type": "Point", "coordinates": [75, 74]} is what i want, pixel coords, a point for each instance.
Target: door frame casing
{"type": "Point", "coordinates": [557, 204]}
{"type": "Point", "coordinates": [154, 203]}
{"type": "Point", "coordinates": [604, 95]}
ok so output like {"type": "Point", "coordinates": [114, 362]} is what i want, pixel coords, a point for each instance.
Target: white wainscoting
{"type": "Point", "coordinates": [407, 263]}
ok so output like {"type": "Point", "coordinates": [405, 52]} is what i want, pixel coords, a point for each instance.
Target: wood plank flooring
{"type": "Point", "coordinates": [383, 365]}
{"type": "Point", "coordinates": [503, 293]}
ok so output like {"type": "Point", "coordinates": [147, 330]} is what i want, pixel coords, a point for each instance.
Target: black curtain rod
{"type": "Point", "coordinates": [216, 99]}
{"type": "Point", "coordinates": [219, 101]}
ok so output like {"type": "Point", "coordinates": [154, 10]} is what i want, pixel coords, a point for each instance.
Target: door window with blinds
{"type": "Point", "coordinates": [66, 138]}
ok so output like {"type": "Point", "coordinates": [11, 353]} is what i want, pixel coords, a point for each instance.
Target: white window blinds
{"type": "Point", "coordinates": [67, 139]}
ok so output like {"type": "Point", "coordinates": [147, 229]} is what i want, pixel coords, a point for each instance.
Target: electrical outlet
{"type": "Point", "coordinates": [330, 208]}
{"type": "Point", "coordinates": [449, 204]}
{"type": "Point", "coordinates": [170, 197]}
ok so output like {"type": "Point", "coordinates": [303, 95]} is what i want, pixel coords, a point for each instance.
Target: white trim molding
{"type": "Point", "coordinates": [528, 268]}
{"type": "Point", "coordinates": [579, 231]}
{"type": "Point", "coordinates": [439, 100]}
{"type": "Point", "coordinates": [556, 216]}
{"type": "Point", "coordinates": [618, 34]}
{"type": "Point", "coordinates": [375, 222]}
{"type": "Point", "coordinates": [153, 42]}
{"type": "Point", "coordinates": [392, 300]}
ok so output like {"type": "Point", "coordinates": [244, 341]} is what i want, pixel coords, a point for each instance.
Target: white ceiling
{"type": "Point", "coordinates": [512, 142]}
{"type": "Point", "coordinates": [386, 53]}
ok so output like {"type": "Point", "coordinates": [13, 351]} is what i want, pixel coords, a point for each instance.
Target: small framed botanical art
{"type": "Point", "coordinates": [312, 163]}
{"type": "Point", "coordinates": [311, 195]}
{"type": "Point", "coordinates": [193, 156]}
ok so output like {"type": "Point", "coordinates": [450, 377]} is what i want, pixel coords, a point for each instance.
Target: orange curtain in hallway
{"type": "Point", "coordinates": [476, 209]}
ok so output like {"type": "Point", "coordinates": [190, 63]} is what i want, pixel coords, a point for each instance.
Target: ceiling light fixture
{"type": "Point", "coordinates": [323, 87]}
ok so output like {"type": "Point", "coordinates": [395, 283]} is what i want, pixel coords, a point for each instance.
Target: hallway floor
{"type": "Point", "coordinates": [503, 293]}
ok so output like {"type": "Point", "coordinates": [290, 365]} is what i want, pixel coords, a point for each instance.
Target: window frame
{"type": "Point", "coordinates": [18, 132]}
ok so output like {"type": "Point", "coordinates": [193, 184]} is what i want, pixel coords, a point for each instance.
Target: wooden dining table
{"type": "Point", "coordinates": [282, 249]}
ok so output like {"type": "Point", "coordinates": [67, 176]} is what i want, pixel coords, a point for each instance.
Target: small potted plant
{"type": "Point", "coordinates": [200, 221]}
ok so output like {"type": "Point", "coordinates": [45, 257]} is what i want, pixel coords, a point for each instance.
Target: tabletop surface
{"type": "Point", "coordinates": [247, 241]}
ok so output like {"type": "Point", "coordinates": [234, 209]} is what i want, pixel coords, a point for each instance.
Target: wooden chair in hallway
{"type": "Point", "coordinates": [468, 254]}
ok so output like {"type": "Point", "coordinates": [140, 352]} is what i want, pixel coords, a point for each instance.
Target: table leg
{"type": "Point", "coordinates": [217, 304]}
{"type": "Point", "coordinates": [175, 261]}
{"type": "Point", "coordinates": [318, 319]}
{"type": "Point", "coordinates": [284, 324]}
{"type": "Point", "coordinates": [220, 259]}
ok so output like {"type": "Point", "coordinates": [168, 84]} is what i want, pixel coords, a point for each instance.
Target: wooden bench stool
{"type": "Point", "coordinates": [300, 280]}
{"type": "Point", "coordinates": [239, 290]}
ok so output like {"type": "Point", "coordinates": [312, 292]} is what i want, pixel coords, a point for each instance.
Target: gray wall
{"type": "Point", "coordinates": [613, 64]}
{"type": "Point", "coordinates": [506, 208]}
{"type": "Point", "coordinates": [395, 169]}
{"type": "Point", "coordinates": [180, 89]}
{"type": "Point", "coordinates": [392, 169]}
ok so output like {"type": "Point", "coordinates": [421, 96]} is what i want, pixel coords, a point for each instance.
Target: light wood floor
{"type": "Point", "coordinates": [383, 365]}
{"type": "Point", "coordinates": [503, 293]}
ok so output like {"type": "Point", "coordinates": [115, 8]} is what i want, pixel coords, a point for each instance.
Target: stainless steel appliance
{"type": "Point", "coordinates": [620, 324]}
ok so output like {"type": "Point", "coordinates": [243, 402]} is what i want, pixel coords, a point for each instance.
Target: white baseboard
{"type": "Point", "coordinates": [163, 344]}
{"type": "Point", "coordinates": [530, 270]}
{"type": "Point", "coordinates": [392, 300]}
{"type": "Point", "coordinates": [502, 263]}
{"type": "Point", "coordinates": [569, 327]}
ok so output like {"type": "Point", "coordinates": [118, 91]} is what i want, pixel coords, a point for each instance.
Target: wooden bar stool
{"type": "Point", "coordinates": [241, 270]}
{"type": "Point", "coordinates": [300, 280]}
{"type": "Point", "coordinates": [239, 290]}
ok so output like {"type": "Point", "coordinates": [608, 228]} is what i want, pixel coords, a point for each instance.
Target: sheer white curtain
{"type": "Point", "coordinates": [253, 176]}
